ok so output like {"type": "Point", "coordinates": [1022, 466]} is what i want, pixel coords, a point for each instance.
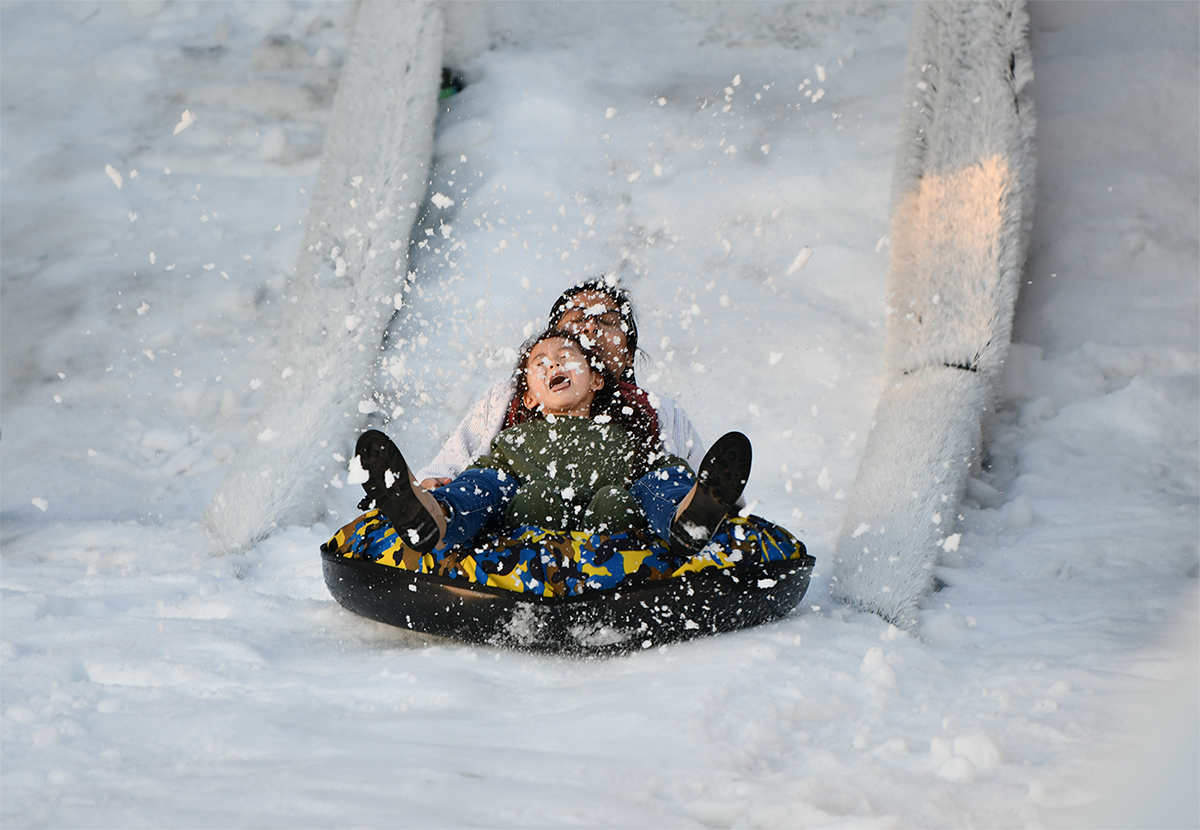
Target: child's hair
{"type": "Point", "coordinates": [611, 400]}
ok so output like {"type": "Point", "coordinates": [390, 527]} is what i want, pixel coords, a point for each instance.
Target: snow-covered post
{"type": "Point", "coordinates": [352, 262]}
{"type": "Point", "coordinates": [962, 205]}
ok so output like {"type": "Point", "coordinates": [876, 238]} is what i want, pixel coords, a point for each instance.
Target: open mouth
{"type": "Point", "coordinates": [559, 382]}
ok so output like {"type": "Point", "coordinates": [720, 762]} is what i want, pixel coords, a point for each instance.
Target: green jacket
{"type": "Point", "coordinates": [574, 474]}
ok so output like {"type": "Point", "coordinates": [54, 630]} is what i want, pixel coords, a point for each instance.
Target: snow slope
{"type": "Point", "coordinates": [145, 682]}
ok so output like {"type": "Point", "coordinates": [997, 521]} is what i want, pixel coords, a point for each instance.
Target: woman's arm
{"type": "Point", "coordinates": [472, 439]}
{"type": "Point", "coordinates": [679, 435]}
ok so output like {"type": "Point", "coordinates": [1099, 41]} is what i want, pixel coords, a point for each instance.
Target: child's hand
{"type": "Point", "coordinates": [430, 483]}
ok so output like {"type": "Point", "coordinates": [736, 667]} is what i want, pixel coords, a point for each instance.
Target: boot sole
{"type": "Point", "coordinates": [719, 484]}
{"type": "Point", "coordinates": [726, 468]}
{"type": "Point", "coordinates": [389, 488]}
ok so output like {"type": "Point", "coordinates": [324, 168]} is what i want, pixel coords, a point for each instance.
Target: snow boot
{"type": "Point", "coordinates": [719, 484]}
{"type": "Point", "coordinates": [391, 489]}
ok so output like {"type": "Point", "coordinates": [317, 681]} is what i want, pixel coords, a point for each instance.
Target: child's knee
{"type": "Point", "coordinates": [616, 509]}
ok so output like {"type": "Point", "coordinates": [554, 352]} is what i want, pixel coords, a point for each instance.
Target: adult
{"type": "Point", "coordinates": [600, 313]}
{"type": "Point", "coordinates": [687, 507]}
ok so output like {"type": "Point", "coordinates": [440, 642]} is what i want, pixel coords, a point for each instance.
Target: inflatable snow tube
{"type": "Point", "coordinates": [568, 592]}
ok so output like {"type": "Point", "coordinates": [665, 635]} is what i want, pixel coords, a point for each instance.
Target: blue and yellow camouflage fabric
{"type": "Point", "coordinates": [555, 563]}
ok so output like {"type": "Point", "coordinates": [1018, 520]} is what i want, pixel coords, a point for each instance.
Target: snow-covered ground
{"type": "Point", "coordinates": [696, 150]}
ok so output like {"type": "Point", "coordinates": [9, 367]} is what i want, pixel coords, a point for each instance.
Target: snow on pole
{"type": "Point", "coordinates": [375, 162]}
{"type": "Point", "coordinates": [962, 210]}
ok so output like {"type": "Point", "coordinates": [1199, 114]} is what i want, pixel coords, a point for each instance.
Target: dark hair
{"type": "Point", "coordinates": [522, 384]}
{"type": "Point", "coordinates": [615, 400]}
{"type": "Point", "coordinates": [606, 285]}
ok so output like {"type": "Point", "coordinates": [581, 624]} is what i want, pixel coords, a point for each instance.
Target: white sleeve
{"type": "Point", "coordinates": [679, 435]}
{"type": "Point", "coordinates": [474, 435]}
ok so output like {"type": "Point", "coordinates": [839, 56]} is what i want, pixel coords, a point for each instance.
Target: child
{"type": "Point", "coordinates": [581, 458]}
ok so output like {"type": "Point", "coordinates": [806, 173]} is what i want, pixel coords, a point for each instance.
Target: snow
{"type": "Point", "coordinates": [1053, 679]}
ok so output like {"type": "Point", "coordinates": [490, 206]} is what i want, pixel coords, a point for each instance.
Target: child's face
{"type": "Point", "coordinates": [559, 379]}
